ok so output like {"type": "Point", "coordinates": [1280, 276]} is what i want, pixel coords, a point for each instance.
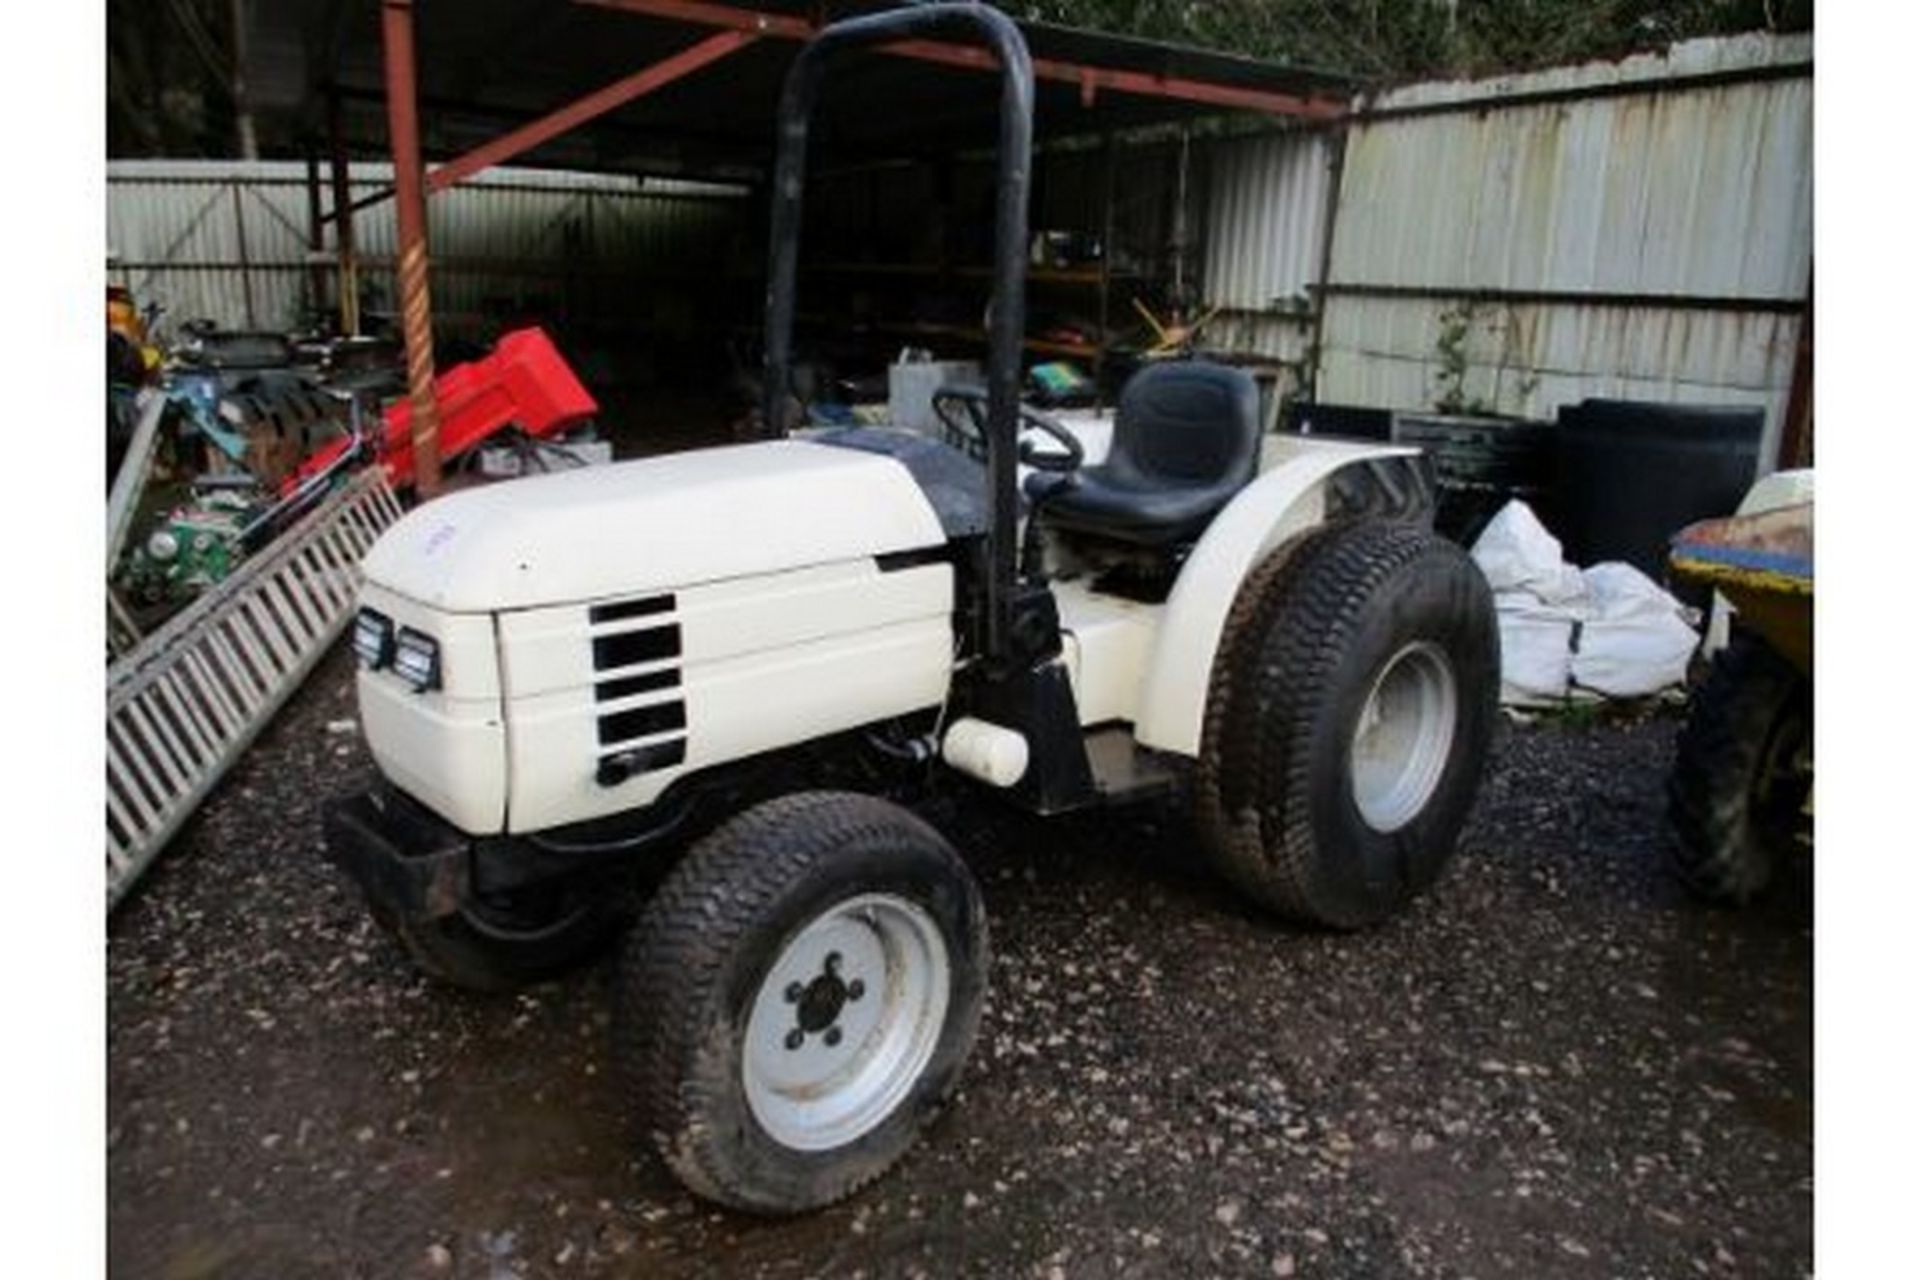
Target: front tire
{"type": "Point", "coordinates": [1740, 773]}
{"type": "Point", "coordinates": [1353, 704]}
{"type": "Point", "coordinates": [799, 998]}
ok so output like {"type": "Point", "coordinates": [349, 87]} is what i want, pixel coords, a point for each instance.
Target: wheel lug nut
{"type": "Point", "coordinates": [794, 992]}
{"type": "Point", "coordinates": [856, 989]}
{"type": "Point", "coordinates": [833, 961]}
{"type": "Point", "coordinates": [832, 1037]}
{"type": "Point", "coordinates": [796, 1038]}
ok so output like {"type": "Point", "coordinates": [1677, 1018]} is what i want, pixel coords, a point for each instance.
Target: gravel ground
{"type": "Point", "coordinates": [1554, 1065]}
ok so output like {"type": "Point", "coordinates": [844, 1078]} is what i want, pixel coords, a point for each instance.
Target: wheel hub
{"type": "Point", "coordinates": [821, 1000]}
{"type": "Point", "coordinates": [1404, 736]}
{"type": "Point", "coordinates": [845, 1021]}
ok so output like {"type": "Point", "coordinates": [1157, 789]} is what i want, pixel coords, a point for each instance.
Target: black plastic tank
{"type": "Point", "coordinates": [1481, 464]}
{"type": "Point", "coordinates": [1351, 421]}
{"type": "Point", "coordinates": [1630, 473]}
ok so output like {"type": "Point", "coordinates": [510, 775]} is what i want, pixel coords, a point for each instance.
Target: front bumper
{"type": "Point", "coordinates": [410, 862]}
{"type": "Point", "coordinates": [413, 863]}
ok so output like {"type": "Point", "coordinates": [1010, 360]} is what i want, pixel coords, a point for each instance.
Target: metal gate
{"type": "Point", "coordinates": [185, 703]}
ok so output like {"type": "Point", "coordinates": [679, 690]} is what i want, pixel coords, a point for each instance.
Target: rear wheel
{"type": "Point", "coordinates": [1352, 707]}
{"type": "Point", "coordinates": [798, 999]}
{"type": "Point", "coordinates": [1741, 772]}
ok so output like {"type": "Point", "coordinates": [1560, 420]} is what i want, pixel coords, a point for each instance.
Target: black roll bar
{"type": "Point", "coordinates": [1007, 318]}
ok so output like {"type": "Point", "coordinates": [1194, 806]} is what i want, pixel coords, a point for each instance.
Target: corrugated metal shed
{"type": "Point", "coordinates": [1639, 229]}
{"type": "Point", "coordinates": [1266, 218]}
{"type": "Point", "coordinates": [227, 240]}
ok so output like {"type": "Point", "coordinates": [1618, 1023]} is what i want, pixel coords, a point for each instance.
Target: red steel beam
{"type": "Point", "coordinates": [1088, 78]}
{"type": "Point", "coordinates": [410, 211]}
{"type": "Point", "coordinates": [731, 16]}
{"type": "Point", "coordinates": [598, 103]}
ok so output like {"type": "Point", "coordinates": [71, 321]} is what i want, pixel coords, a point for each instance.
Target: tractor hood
{"type": "Point", "coordinates": [654, 524]}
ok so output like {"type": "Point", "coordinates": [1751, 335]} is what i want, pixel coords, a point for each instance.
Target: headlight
{"type": "Point", "coordinates": [373, 639]}
{"type": "Point", "coordinates": [416, 659]}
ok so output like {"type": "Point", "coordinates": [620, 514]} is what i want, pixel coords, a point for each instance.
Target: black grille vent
{"type": "Point", "coordinates": [621, 610]}
{"type": "Point", "coordinates": [628, 686]}
{"type": "Point", "coordinates": [631, 647]}
{"type": "Point", "coordinates": [666, 722]}
{"type": "Point", "coordinates": [642, 722]}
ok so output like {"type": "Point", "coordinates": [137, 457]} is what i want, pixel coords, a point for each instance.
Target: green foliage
{"type": "Point", "coordinates": [1502, 325]}
{"type": "Point", "coordinates": [1451, 347]}
{"type": "Point", "coordinates": [1397, 39]}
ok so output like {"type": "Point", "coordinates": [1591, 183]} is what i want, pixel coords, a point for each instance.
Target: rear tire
{"type": "Point", "coordinates": [1353, 702]}
{"type": "Point", "coordinates": [1736, 791]}
{"type": "Point", "coordinates": [799, 998]}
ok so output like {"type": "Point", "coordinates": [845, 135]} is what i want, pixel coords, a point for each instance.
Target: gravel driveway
{"type": "Point", "coordinates": [1553, 1066]}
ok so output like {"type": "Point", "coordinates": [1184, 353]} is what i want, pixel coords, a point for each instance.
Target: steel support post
{"type": "Point", "coordinates": [416, 308]}
{"type": "Point", "coordinates": [316, 234]}
{"type": "Point", "coordinates": [346, 261]}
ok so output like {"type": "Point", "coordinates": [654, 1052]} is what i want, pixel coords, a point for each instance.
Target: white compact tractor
{"type": "Point", "coordinates": [723, 670]}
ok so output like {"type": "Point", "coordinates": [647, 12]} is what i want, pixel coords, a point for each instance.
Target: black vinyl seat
{"type": "Point", "coordinates": [1186, 438]}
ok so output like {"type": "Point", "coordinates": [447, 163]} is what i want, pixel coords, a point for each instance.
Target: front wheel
{"type": "Point", "coordinates": [799, 998]}
{"type": "Point", "coordinates": [1736, 799]}
{"type": "Point", "coordinates": [1352, 707]}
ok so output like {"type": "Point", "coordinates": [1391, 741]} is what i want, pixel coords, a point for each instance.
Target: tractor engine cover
{"type": "Point", "coordinates": [605, 631]}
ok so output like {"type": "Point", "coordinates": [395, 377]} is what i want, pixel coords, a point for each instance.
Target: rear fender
{"type": "Point", "coordinates": [1307, 484]}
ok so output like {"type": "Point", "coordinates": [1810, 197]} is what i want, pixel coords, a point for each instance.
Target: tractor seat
{"type": "Point", "coordinates": [1186, 438]}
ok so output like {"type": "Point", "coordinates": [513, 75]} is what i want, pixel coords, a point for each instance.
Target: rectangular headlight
{"type": "Point", "coordinates": [416, 659]}
{"type": "Point", "coordinates": [373, 639]}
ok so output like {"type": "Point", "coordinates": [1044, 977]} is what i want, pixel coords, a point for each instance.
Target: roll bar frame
{"type": "Point", "coordinates": [1006, 327]}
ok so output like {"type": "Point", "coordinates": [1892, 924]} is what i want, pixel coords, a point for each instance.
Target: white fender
{"type": "Point", "coordinates": [1284, 500]}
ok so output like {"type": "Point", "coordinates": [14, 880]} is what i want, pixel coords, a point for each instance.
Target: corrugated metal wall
{"type": "Point", "coordinates": [1631, 235]}
{"type": "Point", "coordinates": [1266, 215]}
{"type": "Point", "coordinates": [227, 240]}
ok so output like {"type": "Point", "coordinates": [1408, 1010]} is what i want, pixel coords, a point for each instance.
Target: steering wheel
{"type": "Point", "coordinates": [962, 412]}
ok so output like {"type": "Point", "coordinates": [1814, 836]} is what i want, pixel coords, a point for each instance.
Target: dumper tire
{"type": "Point", "coordinates": [727, 985]}
{"type": "Point", "coordinates": [1734, 797]}
{"type": "Point", "coordinates": [1360, 619]}
{"type": "Point", "coordinates": [495, 948]}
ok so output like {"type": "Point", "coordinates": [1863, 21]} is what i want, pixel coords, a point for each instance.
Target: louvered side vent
{"type": "Point", "coordinates": [642, 723]}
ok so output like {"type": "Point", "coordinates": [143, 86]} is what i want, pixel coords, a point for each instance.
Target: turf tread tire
{"type": "Point", "coordinates": [1247, 621]}
{"type": "Point", "coordinates": [1265, 782]}
{"type": "Point", "coordinates": [695, 941]}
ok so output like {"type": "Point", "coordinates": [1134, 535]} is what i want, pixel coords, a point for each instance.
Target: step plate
{"type": "Point", "coordinates": [1124, 770]}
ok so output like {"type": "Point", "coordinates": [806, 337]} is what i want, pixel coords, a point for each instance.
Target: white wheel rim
{"type": "Point", "coordinates": [845, 1021]}
{"type": "Point", "coordinates": [1404, 736]}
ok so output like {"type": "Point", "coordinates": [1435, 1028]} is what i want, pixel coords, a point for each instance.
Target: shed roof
{"type": "Point", "coordinates": [488, 65]}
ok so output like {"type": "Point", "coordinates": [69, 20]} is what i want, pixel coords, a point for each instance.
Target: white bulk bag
{"type": "Point", "coordinates": [1609, 631]}
{"type": "Point", "coordinates": [1635, 640]}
